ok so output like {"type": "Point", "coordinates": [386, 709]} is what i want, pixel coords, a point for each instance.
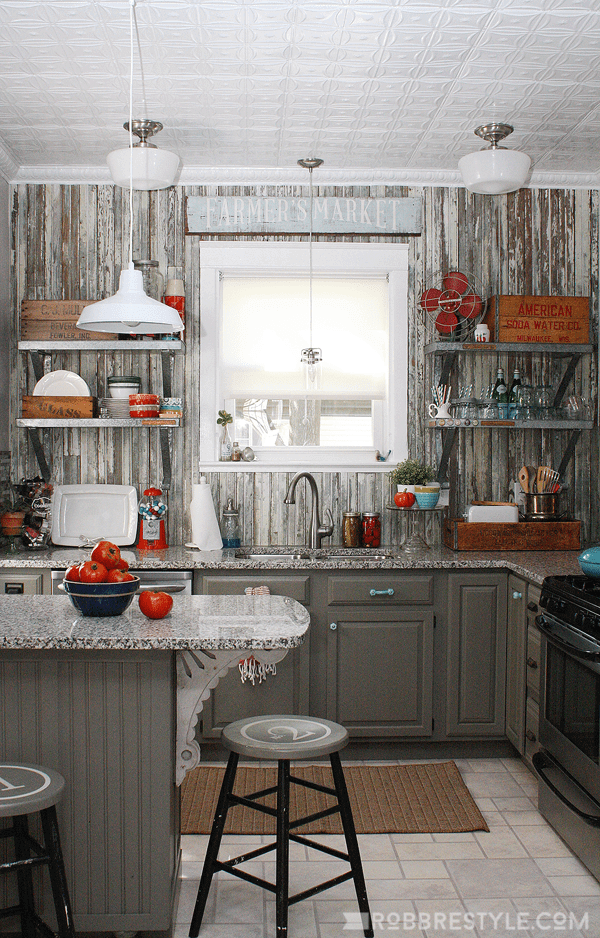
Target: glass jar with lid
{"type": "Point", "coordinates": [230, 528]}
{"type": "Point", "coordinates": [154, 284]}
{"type": "Point", "coordinates": [351, 529]}
{"type": "Point", "coordinates": [371, 529]}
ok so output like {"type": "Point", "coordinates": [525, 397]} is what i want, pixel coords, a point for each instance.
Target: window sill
{"type": "Point", "coordinates": [263, 465]}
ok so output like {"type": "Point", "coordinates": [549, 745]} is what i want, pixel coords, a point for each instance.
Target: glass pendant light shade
{"type": "Point", "coordinates": [130, 310]}
{"type": "Point", "coordinates": [495, 170]}
{"type": "Point", "coordinates": [152, 168]}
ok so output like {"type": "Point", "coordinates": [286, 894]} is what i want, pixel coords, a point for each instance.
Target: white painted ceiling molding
{"type": "Point", "coordinates": [251, 176]}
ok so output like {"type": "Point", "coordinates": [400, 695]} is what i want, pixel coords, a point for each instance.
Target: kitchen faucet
{"type": "Point", "coordinates": [316, 530]}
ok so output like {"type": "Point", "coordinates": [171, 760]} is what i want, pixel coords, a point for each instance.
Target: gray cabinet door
{"type": "Point", "coordinates": [476, 654]}
{"type": "Point", "coordinates": [516, 631]}
{"type": "Point", "coordinates": [283, 692]}
{"type": "Point", "coordinates": [380, 671]}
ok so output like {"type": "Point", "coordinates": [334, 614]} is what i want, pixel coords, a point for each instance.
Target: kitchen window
{"type": "Point", "coordinates": [255, 321]}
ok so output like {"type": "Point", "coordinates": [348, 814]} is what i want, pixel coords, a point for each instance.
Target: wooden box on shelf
{"type": "Point", "coordinates": [556, 319]}
{"type": "Point", "coordinates": [54, 320]}
{"type": "Point", "coordinates": [57, 408]}
{"type": "Point", "coordinates": [518, 535]}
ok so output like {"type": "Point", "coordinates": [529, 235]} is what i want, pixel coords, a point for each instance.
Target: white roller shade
{"type": "Point", "coordinates": [265, 325]}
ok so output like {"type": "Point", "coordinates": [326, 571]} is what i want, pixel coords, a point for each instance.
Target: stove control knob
{"type": "Point", "coordinates": [578, 620]}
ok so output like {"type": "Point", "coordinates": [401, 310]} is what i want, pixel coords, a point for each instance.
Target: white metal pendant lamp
{"type": "Point", "coordinates": [130, 310]}
{"type": "Point", "coordinates": [494, 170]}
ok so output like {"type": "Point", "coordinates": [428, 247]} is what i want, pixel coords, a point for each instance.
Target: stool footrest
{"type": "Point", "coordinates": [320, 887]}
{"type": "Point", "coordinates": [306, 842]}
{"type": "Point", "coordinates": [238, 799]}
{"type": "Point", "coordinates": [315, 785]}
{"type": "Point", "coordinates": [314, 817]}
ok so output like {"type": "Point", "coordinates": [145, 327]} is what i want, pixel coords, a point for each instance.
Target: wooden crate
{"type": "Point", "coordinates": [39, 407]}
{"type": "Point", "coordinates": [557, 319]}
{"type": "Point", "coordinates": [518, 535]}
{"type": "Point", "coordinates": [56, 320]}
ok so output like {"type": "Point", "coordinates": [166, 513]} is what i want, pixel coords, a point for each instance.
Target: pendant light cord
{"type": "Point", "coordinates": [131, 25]}
{"type": "Point", "coordinates": [310, 263]}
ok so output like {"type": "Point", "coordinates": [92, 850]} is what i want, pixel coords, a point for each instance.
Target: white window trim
{"type": "Point", "coordinates": [237, 257]}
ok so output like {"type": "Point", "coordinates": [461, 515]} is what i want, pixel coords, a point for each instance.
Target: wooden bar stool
{"type": "Point", "coordinates": [284, 738]}
{"type": "Point", "coordinates": [26, 789]}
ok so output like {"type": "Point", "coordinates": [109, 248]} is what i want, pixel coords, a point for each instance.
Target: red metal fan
{"type": "Point", "coordinates": [455, 303]}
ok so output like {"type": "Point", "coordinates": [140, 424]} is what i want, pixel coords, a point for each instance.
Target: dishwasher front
{"type": "Point", "coordinates": [166, 581]}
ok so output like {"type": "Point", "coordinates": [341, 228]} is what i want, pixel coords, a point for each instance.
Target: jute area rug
{"type": "Point", "coordinates": [404, 799]}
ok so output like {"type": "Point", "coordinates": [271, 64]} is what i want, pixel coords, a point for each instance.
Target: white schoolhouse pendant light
{"type": "Point", "coordinates": [494, 170]}
{"type": "Point", "coordinates": [130, 310]}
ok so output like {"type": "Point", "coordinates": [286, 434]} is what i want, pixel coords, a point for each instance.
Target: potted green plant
{"type": "Point", "coordinates": [411, 472]}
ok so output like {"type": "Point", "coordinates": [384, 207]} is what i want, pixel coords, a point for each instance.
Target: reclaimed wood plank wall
{"type": "Point", "coordinates": [69, 242]}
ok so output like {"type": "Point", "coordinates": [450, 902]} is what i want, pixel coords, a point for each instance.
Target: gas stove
{"type": "Point", "coordinates": [574, 601]}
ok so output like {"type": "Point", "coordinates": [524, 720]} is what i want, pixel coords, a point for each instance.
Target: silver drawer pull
{"type": "Point", "coordinates": [388, 592]}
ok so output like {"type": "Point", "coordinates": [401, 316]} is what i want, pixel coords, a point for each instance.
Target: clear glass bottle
{"type": "Point", "coordinates": [236, 452]}
{"type": "Point", "coordinates": [500, 393]}
{"type": "Point", "coordinates": [230, 527]}
{"type": "Point", "coordinates": [513, 394]}
{"type": "Point", "coordinates": [225, 444]}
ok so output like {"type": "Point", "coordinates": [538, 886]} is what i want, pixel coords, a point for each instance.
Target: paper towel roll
{"type": "Point", "coordinates": [206, 534]}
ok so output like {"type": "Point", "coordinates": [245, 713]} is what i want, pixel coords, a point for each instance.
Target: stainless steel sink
{"type": "Point", "coordinates": [272, 558]}
{"type": "Point", "coordinates": [289, 556]}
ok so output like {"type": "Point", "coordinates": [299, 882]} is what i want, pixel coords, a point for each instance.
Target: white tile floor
{"type": "Point", "coordinates": [519, 879]}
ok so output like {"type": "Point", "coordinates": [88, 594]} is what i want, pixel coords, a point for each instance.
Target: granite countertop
{"type": "Point", "coordinates": [195, 622]}
{"type": "Point", "coordinates": [533, 565]}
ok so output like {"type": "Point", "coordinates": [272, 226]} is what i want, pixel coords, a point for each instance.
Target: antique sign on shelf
{"type": "Point", "coordinates": [54, 320]}
{"type": "Point", "coordinates": [564, 319]}
{"type": "Point", "coordinates": [290, 215]}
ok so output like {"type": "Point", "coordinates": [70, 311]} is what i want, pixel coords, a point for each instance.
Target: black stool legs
{"type": "Point", "coordinates": [28, 853]}
{"type": "Point", "coordinates": [56, 869]}
{"type": "Point", "coordinates": [282, 855]}
{"type": "Point", "coordinates": [214, 842]}
{"type": "Point", "coordinates": [282, 844]}
{"type": "Point", "coordinates": [351, 843]}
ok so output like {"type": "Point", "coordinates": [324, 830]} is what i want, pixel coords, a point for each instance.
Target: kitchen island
{"type": "Point", "coordinates": [110, 703]}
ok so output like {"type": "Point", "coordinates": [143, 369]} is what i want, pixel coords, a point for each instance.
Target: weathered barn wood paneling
{"type": "Point", "coordinates": [70, 242]}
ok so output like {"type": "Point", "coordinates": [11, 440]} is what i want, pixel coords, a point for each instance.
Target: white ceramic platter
{"type": "Point", "coordinates": [88, 512]}
{"type": "Point", "coordinates": [61, 384]}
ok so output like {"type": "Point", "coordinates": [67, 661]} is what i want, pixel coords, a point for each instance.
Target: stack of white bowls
{"type": "Point", "coordinates": [121, 386]}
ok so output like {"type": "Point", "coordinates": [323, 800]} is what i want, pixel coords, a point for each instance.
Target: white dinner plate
{"type": "Point", "coordinates": [89, 512]}
{"type": "Point", "coordinates": [61, 384]}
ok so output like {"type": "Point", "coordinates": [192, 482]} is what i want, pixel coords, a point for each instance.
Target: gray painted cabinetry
{"type": "Point", "coordinates": [532, 667]}
{"type": "Point", "coordinates": [418, 654]}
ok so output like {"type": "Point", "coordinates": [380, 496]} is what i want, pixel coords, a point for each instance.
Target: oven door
{"type": "Point", "coordinates": [570, 701]}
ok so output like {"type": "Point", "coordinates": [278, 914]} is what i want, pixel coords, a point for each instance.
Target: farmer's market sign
{"type": "Point", "coordinates": [290, 215]}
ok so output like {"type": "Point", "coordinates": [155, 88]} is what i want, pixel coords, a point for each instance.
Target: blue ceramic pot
{"type": "Point", "coordinates": [589, 561]}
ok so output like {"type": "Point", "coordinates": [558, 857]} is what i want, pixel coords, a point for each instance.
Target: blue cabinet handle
{"type": "Point", "coordinates": [389, 592]}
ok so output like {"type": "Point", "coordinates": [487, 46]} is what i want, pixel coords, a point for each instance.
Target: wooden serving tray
{"type": "Point", "coordinates": [517, 535]}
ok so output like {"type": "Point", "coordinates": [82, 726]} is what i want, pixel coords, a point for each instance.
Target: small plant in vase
{"type": "Point", "coordinates": [225, 444]}
{"type": "Point", "coordinates": [407, 476]}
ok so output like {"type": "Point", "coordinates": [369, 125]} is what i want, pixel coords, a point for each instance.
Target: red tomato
{"type": "Point", "coordinates": [118, 576]}
{"type": "Point", "coordinates": [155, 605]}
{"type": "Point", "coordinates": [404, 499]}
{"type": "Point", "coordinates": [92, 572]}
{"type": "Point", "coordinates": [122, 564]}
{"type": "Point", "coordinates": [73, 573]}
{"type": "Point", "coordinates": [107, 554]}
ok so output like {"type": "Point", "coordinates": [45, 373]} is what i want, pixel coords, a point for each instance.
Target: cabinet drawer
{"type": "Point", "coordinates": [388, 589]}
{"type": "Point", "coordinates": [533, 661]}
{"type": "Point", "coordinates": [296, 587]}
